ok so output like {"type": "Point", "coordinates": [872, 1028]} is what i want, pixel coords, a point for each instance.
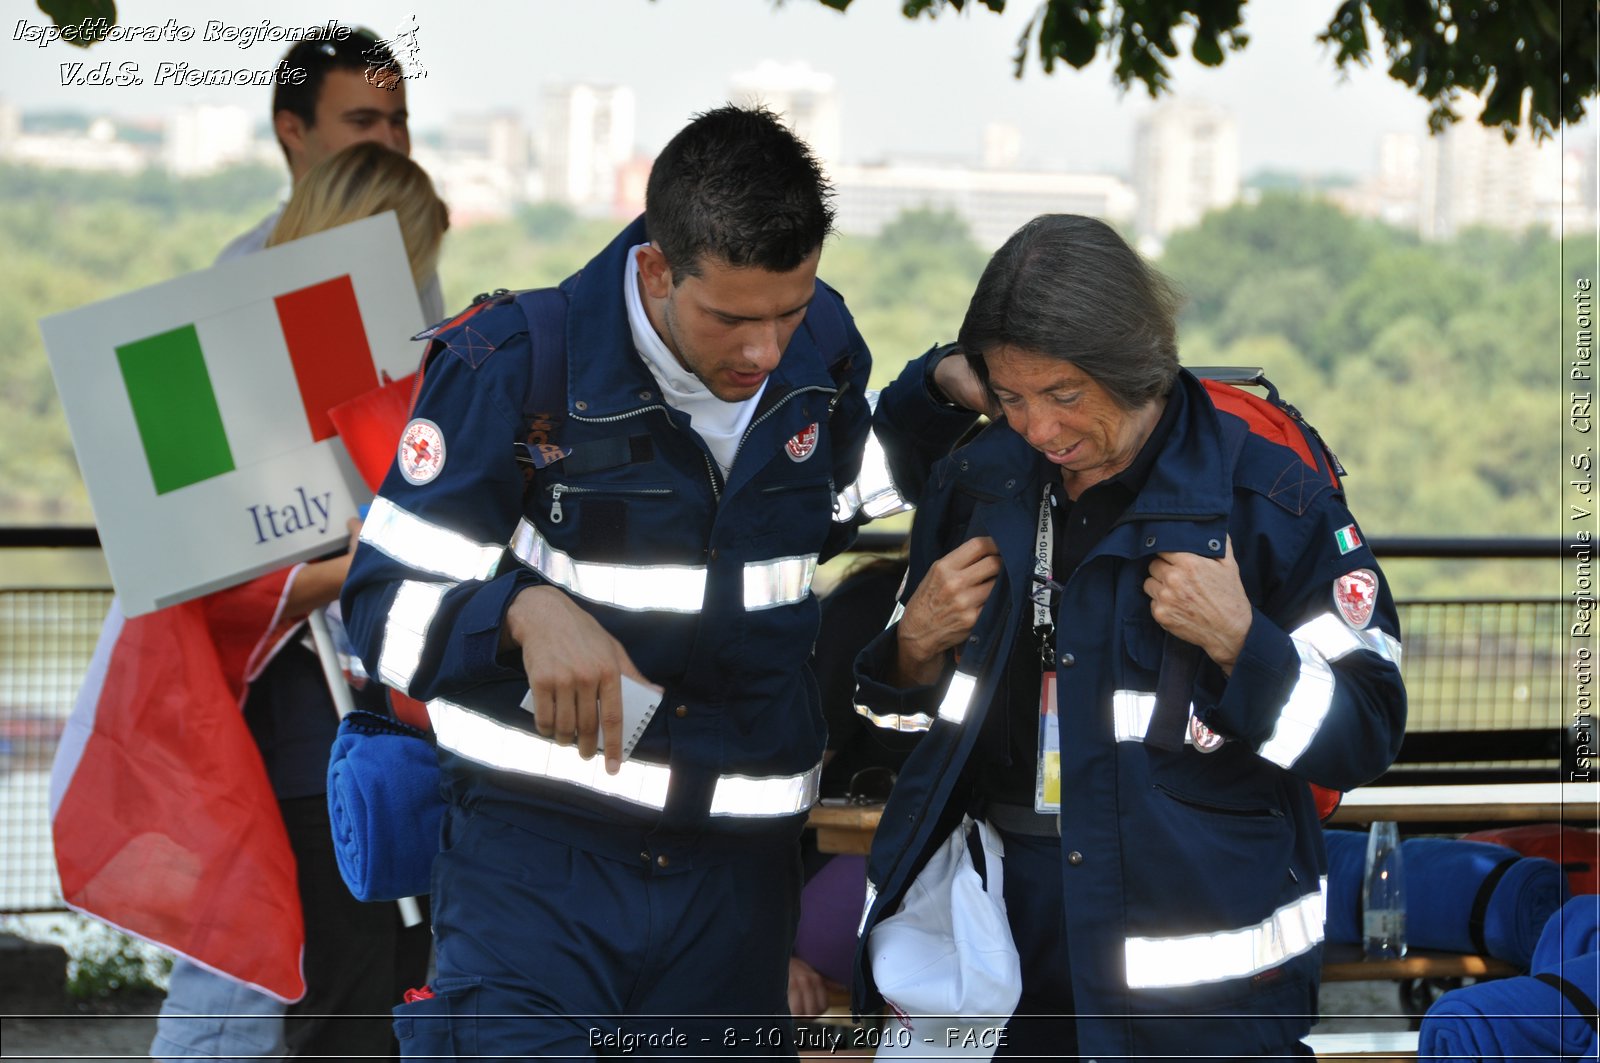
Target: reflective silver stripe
{"type": "Point", "coordinates": [774, 795]}
{"type": "Point", "coordinates": [958, 699]}
{"type": "Point", "coordinates": [874, 492]}
{"type": "Point", "coordinates": [426, 547]}
{"type": "Point", "coordinates": [1131, 712]}
{"type": "Point", "coordinates": [866, 907]}
{"type": "Point", "coordinates": [667, 588]}
{"type": "Point", "coordinates": [406, 630]}
{"type": "Point", "coordinates": [781, 581]}
{"type": "Point", "coordinates": [1319, 641]}
{"type": "Point", "coordinates": [492, 743]}
{"type": "Point", "coordinates": [1333, 638]}
{"type": "Point", "coordinates": [660, 588]}
{"type": "Point", "coordinates": [908, 723]}
{"type": "Point", "coordinates": [1198, 959]}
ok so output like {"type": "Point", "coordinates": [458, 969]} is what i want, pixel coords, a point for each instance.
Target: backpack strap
{"type": "Point", "coordinates": [546, 401]}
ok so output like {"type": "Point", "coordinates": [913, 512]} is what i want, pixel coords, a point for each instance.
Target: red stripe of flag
{"type": "Point", "coordinates": [328, 346]}
{"type": "Point", "coordinates": [166, 825]}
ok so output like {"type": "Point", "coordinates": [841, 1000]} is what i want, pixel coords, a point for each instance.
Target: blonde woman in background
{"type": "Point", "coordinates": [358, 958]}
{"type": "Point", "coordinates": [358, 182]}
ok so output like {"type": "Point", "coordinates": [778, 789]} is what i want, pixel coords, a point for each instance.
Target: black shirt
{"type": "Point", "coordinates": [1011, 738]}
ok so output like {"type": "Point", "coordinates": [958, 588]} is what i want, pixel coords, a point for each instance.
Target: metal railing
{"type": "Point", "coordinates": [1470, 665]}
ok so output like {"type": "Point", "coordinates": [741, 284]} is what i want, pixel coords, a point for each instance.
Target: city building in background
{"type": "Point", "coordinates": [1185, 163]}
{"type": "Point", "coordinates": [586, 137]}
{"type": "Point", "coordinates": [993, 203]}
{"type": "Point", "coordinates": [807, 100]}
{"type": "Point", "coordinates": [583, 153]}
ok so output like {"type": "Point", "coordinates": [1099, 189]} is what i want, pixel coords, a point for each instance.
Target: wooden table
{"type": "Point", "coordinates": [848, 828]}
{"type": "Point", "coordinates": [1533, 802]}
{"type": "Point", "coordinates": [1344, 963]}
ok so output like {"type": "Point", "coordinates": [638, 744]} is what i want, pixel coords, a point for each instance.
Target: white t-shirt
{"type": "Point", "coordinates": [720, 424]}
{"type": "Point", "coordinates": [431, 295]}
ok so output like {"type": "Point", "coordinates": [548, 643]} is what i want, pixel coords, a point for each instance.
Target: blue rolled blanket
{"type": "Point", "coordinates": [1461, 896]}
{"type": "Point", "coordinates": [385, 807]}
{"type": "Point", "coordinates": [1573, 931]}
{"type": "Point", "coordinates": [1549, 1015]}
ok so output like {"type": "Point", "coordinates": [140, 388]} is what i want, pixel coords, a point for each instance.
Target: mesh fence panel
{"type": "Point", "coordinates": [46, 640]}
{"type": "Point", "coordinates": [1469, 665]}
{"type": "Point", "coordinates": [1484, 665]}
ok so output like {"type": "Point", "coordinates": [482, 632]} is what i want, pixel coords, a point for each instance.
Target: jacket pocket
{"type": "Point", "coordinates": [441, 1026]}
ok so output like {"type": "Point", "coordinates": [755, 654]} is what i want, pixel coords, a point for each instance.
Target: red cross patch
{"type": "Point", "coordinates": [1355, 594]}
{"type": "Point", "coordinates": [803, 442]}
{"type": "Point", "coordinates": [421, 452]}
{"type": "Point", "coordinates": [1202, 737]}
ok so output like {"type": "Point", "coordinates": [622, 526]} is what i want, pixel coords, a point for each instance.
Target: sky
{"type": "Point", "coordinates": [920, 88]}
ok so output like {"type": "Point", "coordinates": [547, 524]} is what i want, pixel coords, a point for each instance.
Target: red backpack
{"type": "Point", "coordinates": [1280, 423]}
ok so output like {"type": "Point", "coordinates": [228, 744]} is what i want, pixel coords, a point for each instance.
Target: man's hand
{"type": "Point", "coordinates": [944, 607]}
{"type": "Point", "coordinates": [318, 582]}
{"type": "Point", "coordinates": [1201, 600]}
{"type": "Point", "coordinates": [959, 384]}
{"type": "Point", "coordinates": [574, 671]}
{"type": "Point", "coordinates": [808, 990]}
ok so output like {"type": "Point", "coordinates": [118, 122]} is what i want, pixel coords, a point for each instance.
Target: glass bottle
{"type": "Point", "coordinates": [1383, 895]}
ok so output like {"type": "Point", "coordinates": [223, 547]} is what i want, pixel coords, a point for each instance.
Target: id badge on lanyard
{"type": "Point", "coordinates": [1047, 770]}
{"type": "Point", "coordinates": [1047, 775]}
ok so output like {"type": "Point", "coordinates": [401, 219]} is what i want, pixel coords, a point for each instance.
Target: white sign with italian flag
{"type": "Point", "coordinates": [198, 407]}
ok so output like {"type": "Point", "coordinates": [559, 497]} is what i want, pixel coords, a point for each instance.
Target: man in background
{"type": "Point", "coordinates": [353, 90]}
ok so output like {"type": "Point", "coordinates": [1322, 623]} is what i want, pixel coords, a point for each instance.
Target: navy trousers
{"type": "Point", "coordinates": [546, 950]}
{"type": "Point", "coordinates": [1044, 1026]}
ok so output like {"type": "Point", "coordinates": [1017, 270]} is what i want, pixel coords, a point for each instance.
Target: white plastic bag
{"type": "Point", "coordinates": [945, 961]}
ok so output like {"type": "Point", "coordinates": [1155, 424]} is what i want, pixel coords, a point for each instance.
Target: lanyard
{"type": "Point", "coordinates": [1043, 553]}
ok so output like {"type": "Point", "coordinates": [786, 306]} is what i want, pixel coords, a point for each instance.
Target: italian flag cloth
{"type": "Point", "coordinates": [164, 822]}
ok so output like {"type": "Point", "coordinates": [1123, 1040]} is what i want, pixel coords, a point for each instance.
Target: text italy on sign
{"type": "Point", "coordinates": [199, 407]}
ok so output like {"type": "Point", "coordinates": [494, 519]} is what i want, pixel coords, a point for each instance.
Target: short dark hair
{"type": "Point", "coordinates": [1070, 288]}
{"type": "Point", "coordinates": [359, 49]}
{"type": "Point", "coordinates": [736, 185]}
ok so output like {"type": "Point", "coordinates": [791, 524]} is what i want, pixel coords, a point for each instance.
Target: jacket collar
{"type": "Point", "coordinates": [605, 375]}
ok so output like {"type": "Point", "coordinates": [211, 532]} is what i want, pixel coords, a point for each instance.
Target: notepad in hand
{"type": "Point", "coordinates": [639, 703]}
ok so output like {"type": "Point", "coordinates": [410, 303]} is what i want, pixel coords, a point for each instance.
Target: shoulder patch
{"type": "Point", "coordinates": [1347, 539]}
{"type": "Point", "coordinates": [421, 454]}
{"type": "Point", "coordinates": [1355, 595]}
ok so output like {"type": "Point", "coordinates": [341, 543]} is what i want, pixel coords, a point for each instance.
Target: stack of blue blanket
{"type": "Point", "coordinates": [384, 807]}
{"type": "Point", "coordinates": [1549, 1014]}
{"type": "Point", "coordinates": [1462, 896]}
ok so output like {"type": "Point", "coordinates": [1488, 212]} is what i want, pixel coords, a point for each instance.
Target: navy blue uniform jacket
{"type": "Point", "coordinates": [1194, 881]}
{"type": "Point", "coordinates": [705, 581]}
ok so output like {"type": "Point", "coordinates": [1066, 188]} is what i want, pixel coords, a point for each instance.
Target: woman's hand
{"type": "Point", "coordinates": [1201, 600]}
{"type": "Point", "coordinates": [943, 609]}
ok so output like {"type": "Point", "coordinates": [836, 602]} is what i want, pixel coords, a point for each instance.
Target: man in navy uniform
{"type": "Point", "coordinates": [692, 413]}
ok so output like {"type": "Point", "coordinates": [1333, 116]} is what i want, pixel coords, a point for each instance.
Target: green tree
{"type": "Point", "coordinates": [1281, 233]}
{"type": "Point", "coordinates": [1541, 53]}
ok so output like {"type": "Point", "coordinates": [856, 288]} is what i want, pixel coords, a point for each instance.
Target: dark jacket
{"type": "Point", "coordinates": [705, 583]}
{"type": "Point", "coordinates": [1193, 881]}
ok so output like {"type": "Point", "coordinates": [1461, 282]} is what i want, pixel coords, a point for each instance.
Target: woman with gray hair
{"type": "Point", "coordinates": [1134, 631]}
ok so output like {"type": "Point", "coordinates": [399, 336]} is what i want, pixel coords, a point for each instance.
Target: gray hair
{"type": "Point", "coordinates": [1068, 287]}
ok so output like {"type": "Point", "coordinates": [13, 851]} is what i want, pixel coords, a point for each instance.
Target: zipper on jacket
{"type": "Point", "coordinates": [557, 490]}
{"type": "Point", "coordinates": [774, 408]}
{"type": "Point", "coordinates": [711, 470]}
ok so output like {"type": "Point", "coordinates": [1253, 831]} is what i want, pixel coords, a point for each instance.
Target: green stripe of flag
{"type": "Point", "coordinates": [175, 408]}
